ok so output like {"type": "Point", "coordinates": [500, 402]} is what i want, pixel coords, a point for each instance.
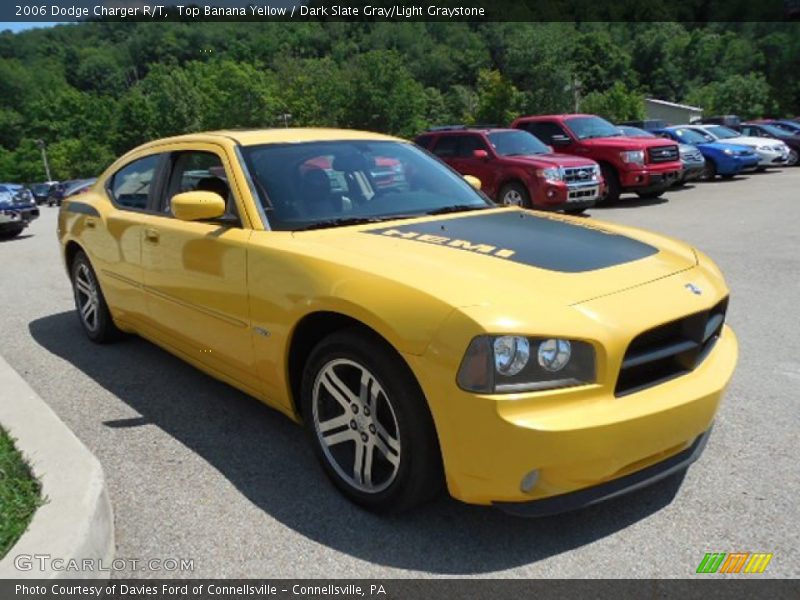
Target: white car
{"type": "Point", "coordinates": [771, 152]}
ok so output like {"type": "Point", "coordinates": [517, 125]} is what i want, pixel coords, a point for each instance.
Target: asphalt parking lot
{"type": "Point", "coordinates": [198, 470]}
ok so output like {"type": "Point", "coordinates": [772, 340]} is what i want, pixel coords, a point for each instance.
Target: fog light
{"type": "Point", "coordinates": [529, 481]}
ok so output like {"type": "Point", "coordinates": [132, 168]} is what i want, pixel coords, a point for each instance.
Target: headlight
{"type": "Point", "coordinates": [728, 151]}
{"type": "Point", "coordinates": [635, 157]}
{"type": "Point", "coordinates": [551, 174]}
{"type": "Point", "coordinates": [765, 149]}
{"type": "Point", "coordinates": [504, 364]}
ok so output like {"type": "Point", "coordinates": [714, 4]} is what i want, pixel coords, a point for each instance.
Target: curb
{"type": "Point", "coordinates": [77, 522]}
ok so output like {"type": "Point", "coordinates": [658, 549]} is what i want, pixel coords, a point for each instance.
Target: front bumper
{"type": "Point", "coordinates": [578, 437]}
{"type": "Point", "coordinates": [611, 489]}
{"type": "Point", "coordinates": [770, 158]}
{"type": "Point", "coordinates": [648, 179]}
{"type": "Point", "coordinates": [13, 218]}
{"type": "Point", "coordinates": [564, 196]}
{"type": "Point", "coordinates": [692, 171]}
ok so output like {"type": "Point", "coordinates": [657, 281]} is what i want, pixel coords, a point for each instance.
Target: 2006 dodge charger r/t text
{"type": "Point", "coordinates": [424, 336]}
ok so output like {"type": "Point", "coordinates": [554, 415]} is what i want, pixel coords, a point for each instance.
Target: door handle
{"type": "Point", "coordinates": [151, 235]}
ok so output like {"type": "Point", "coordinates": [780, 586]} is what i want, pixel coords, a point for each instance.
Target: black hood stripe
{"type": "Point", "coordinates": [527, 238]}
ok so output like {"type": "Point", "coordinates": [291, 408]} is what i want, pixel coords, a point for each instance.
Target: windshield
{"type": "Point", "coordinates": [516, 143]}
{"type": "Point", "coordinates": [788, 126]}
{"type": "Point", "coordinates": [723, 133]}
{"type": "Point", "coordinates": [585, 128]}
{"type": "Point", "coordinates": [692, 136]}
{"type": "Point", "coordinates": [344, 182]}
{"type": "Point", "coordinates": [774, 131]}
{"type": "Point", "coordinates": [635, 132]}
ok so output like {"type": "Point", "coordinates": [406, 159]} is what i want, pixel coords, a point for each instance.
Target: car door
{"type": "Point", "coordinates": [195, 273]}
{"type": "Point", "coordinates": [482, 167]}
{"type": "Point", "coordinates": [117, 246]}
{"type": "Point", "coordinates": [553, 134]}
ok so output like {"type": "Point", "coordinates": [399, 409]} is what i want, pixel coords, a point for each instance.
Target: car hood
{"type": "Point", "coordinates": [550, 160]}
{"type": "Point", "coordinates": [627, 143]}
{"type": "Point", "coordinates": [720, 146]}
{"type": "Point", "coordinates": [497, 256]}
{"type": "Point", "coordinates": [753, 142]}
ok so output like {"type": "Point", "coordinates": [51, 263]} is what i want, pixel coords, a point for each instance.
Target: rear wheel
{"type": "Point", "coordinates": [369, 423]}
{"type": "Point", "coordinates": [612, 188]}
{"type": "Point", "coordinates": [91, 304]}
{"type": "Point", "coordinates": [514, 194]}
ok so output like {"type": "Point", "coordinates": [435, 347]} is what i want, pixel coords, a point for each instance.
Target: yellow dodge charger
{"type": "Point", "coordinates": [424, 336]}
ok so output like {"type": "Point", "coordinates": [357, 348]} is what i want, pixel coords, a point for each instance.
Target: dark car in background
{"type": "Point", "coordinates": [17, 209]}
{"type": "Point", "coordinates": [41, 191]}
{"type": "Point", "coordinates": [692, 161]}
{"type": "Point", "coordinates": [785, 124]}
{"type": "Point", "coordinates": [646, 124]}
{"type": "Point", "coordinates": [76, 186]}
{"type": "Point", "coordinates": [721, 158]}
{"type": "Point", "coordinates": [768, 130]}
{"type": "Point", "coordinates": [726, 120]}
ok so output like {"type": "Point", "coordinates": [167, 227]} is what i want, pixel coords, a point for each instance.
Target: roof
{"type": "Point", "coordinates": [673, 104]}
{"type": "Point", "coordinates": [283, 135]}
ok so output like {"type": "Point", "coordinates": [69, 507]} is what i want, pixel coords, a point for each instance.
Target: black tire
{"type": "Point", "coordinates": [575, 211]}
{"type": "Point", "coordinates": [651, 195]}
{"type": "Point", "coordinates": [710, 170]}
{"type": "Point", "coordinates": [418, 475]}
{"type": "Point", "coordinates": [514, 194]}
{"type": "Point", "coordinates": [613, 189]}
{"type": "Point", "coordinates": [727, 177]}
{"type": "Point", "coordinates": [11, 232]}
{"type": "Point", "coordinates": [794, 158]}
{"type": "Point", "coordinates": [97, 323]}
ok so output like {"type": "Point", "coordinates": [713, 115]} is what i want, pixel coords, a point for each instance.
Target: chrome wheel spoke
{"type": "Point", "coordinates": [341, 436]}
{"type": "Point", "coordinates": [388, 446]}
{"type": "Point", "coordinates": [83, 286]}
{"type": "Point", "coordinates": [335, 423]}
{"type": "Point", "coordinates": [343, 395]}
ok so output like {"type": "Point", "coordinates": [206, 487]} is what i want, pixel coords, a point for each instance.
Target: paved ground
{"type": "Point", "coordinates": [198, 470]}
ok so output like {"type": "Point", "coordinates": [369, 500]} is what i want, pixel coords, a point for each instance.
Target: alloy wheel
{"type": "Point", "coordinates": [356, 425]}
{"type": "Point", "coordinates": [513, 198]}
{"type": "Point", "coordinates": [86, 297]}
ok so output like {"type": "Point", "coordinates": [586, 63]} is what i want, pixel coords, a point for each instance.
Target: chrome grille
{"type": "Point", "coordinates": [670, 350]}
{"type": "Point", "coordinates": [583, 175]}
{"type": "Point", "coordinates": [660, 154]}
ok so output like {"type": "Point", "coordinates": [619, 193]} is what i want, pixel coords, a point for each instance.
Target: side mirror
{"type": "Point", "coordinates": [560, 140]}
{"type": "Point", "coordinates": [482, 154]}
{"type": "Point", "coordinates": [197, 206]}
{"type": "Point", "coordinates": [474, 181]}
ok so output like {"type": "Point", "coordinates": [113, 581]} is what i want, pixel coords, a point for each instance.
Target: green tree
{"type": "Point", "coordinates": [616, 104]}
{"type": "Point", "coordinates": [748, 96]}
{"type": "Point", "coordinates": [498, 100]}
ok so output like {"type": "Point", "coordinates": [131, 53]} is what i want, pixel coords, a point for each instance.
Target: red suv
{"type": "Point", "coordinates": [516, 168]}
{"type": "Point", "coordinates": [646, 166]}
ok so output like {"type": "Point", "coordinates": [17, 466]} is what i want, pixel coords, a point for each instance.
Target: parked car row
{"type": "Point", "coordinates": [572, 162]}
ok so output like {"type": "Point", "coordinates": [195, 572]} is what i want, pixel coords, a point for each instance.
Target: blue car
{"type": "Point", "coordinates": [725, 160]}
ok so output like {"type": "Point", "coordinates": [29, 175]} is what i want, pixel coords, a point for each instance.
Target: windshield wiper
{"type": "Point", "coordinates": [456, 208]}
{"type": "Point", "coordinates": [344, 221]}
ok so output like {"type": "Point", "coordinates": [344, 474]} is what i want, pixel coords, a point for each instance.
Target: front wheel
{"type": "Point", "coordinates": [515, 194]}
{"type": "Point", "coordinates": [91, 304]}
{"type": "Point", "coordinates": [612, 188]}
{"type": "Point", "coordinates": [11, 232]}
{"type": "Point", "coordinates": [369, 423]}
{"type": "Point", "coordinates": [652, 195]}
{"type": "Point", "coordinates": [793, 158]}
{"type": "Point", "coordinates": [709, 171]}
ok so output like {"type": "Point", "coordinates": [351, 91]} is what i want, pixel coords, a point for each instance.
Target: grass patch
{"type": "Point", "coordinates": [20, 494]}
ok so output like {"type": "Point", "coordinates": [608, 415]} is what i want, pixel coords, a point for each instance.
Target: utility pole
{"type": "Point", "coordinates": [576, 93]}
{"type": "Point", "coordinates": [286, 117]}
{"type": "Point", "coordinates": [42, 147]}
